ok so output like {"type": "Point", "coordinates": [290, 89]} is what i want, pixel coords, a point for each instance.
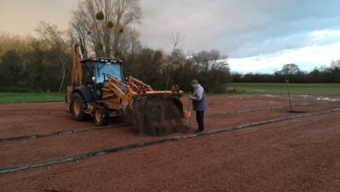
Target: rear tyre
{"type": "Point", "coordinates": [78, 107]}
{"type": "Point", "coordinates": [100, 115]}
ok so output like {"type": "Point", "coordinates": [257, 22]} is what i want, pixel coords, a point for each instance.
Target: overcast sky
{"type": "Point", "coordinates": [257, 35]}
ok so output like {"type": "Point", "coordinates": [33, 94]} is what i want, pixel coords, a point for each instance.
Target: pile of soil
{"type": "Point", "coordinates": [157, 115]}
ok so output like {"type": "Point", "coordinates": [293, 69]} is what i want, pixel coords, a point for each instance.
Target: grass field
{"type": "Point", "coordinates": [30, 97]}
{"type": "Point", "coordinates": [233, 88]}
{"type": "Point", "coordinates": [281, 88]}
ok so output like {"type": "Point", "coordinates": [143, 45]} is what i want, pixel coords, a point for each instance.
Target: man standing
{"type": "Point", "coordinates": [199, 103]}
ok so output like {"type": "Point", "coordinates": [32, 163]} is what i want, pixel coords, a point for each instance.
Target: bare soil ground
{"type": "Point", "coordinates": [294, 155]}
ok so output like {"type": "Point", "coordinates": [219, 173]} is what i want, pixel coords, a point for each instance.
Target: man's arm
{"type": "Point", "coordinates": [198, 94]}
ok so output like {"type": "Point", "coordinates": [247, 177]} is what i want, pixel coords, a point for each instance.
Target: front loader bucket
{"type": "Point", "coordinates": [156, 114]}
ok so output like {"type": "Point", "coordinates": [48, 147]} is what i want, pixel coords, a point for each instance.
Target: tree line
{"type": "Point", "coordinates": [293, 74]}
{"type": "Point", "coordinates": [43, 64]}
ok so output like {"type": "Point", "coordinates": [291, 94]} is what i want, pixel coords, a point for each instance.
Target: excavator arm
{"type": "Point", "coordinates": [76, 74]}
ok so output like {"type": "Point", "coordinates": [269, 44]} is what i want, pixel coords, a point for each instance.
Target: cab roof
{"type": "Point", "coordinates": [102, 59]}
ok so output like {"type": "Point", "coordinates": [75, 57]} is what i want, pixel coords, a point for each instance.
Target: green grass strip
{"type": "Point", "coordinates": [6, 97]}
{"type": "Point", "coordinates": [322, 89]}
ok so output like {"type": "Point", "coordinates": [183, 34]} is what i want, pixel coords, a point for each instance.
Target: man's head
{"type": "Point", "coordinates": [194, 83]}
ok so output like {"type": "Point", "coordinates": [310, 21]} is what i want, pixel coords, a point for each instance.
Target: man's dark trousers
{"type": "Point", "coordinates": [199, 119]}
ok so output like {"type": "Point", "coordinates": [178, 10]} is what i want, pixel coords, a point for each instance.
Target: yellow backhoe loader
{"type": "Point", "coordinates": [99, 90]}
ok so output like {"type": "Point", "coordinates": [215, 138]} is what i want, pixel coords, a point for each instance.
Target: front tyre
{"type": "Point", "coordinates": [100, 115]}
{"type": "Point", "coordinates": [78, 107]}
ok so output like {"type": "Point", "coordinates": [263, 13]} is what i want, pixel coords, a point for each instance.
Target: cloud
{"type": "Point", "coordinates": [237, 28]}
{"type": "Point", "coordinates": [258, 36]}
{"type": "Point", "coordinates": [306, 58]}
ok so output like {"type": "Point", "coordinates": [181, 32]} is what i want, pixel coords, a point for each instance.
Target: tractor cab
{"type": "Point", "coordinates": [96, 71]}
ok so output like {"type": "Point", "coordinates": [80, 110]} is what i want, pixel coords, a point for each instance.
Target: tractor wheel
{"type": "Point", "coordinates": [100, 115]}
{"type": "Point", "coordinates": [78, 107]}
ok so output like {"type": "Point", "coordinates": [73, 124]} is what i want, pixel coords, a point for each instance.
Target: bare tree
{"type": "Point", "coordinates": [13, 42]}
{"type": "Point", "coordinates": [104, 22]}
{"type": "Point", "coordinates": [213, 71]}
{"type": "Point", "coordinates": [171, 65]}
{"type": "Point", "coordinates": [335, 64]}
{"type": "Point", "coordinates": [204, 59]}
{"type": "Point", "coordinates": [290, 69]}
{"type": "Point", "coordinates": [58, 44]}
{"type": "Point", "coordinates": [130, 44]}
{"type": "Point", "coordinates": [78, 33]}
{"type": "Point", "coordinates": [174, 61]}
{"type": "Point", "coordinates": [176, 40]}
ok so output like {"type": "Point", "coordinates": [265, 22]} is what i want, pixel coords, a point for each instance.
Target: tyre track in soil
{"type": "Point", "coordinates": [157, 141]}
{"type": "Point", "coordinates": [63, 132]}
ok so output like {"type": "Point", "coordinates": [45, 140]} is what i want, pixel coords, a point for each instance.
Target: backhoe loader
{"type": "Point", "coordinates": [99, 90]}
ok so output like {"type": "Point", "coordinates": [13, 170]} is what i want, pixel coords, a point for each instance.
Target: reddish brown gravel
{"type": "Point", "coordinates": [294, 155]}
